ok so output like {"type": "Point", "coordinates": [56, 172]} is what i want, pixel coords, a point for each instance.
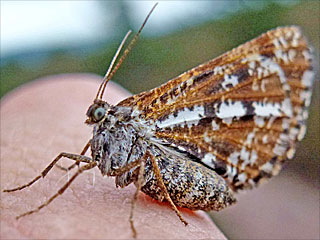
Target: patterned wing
{"type": "Point", "coordinates": [244, 151]}
{"type": "Point", "coordinates": [240, 113]}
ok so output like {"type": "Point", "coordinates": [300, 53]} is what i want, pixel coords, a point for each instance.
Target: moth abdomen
{"type": "Point", "coordinates": [190, 184]}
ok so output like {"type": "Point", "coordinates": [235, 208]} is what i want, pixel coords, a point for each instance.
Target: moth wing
{"type": "Point", "coordinates": [273, 69]}
{"type": "Point", "coordinates": [244, 151]}
{"type": "Point", "coordinates": [241, 113]}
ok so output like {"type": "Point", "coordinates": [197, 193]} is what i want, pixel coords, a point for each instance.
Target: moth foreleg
{"type": "Point", "coordinates": [164, 188]}
{"type": "Point", "coordinates": [77, 163]}
{"type": "Point", "coordinates": [75, 157]}
{"type": "Point", "coordinates": [62, 189]}
{"type": "Point", "coordinates": [124, 169]}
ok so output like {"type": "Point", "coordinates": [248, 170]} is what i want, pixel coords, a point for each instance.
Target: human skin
{"type": "Point", "coordinates": [46, 117]}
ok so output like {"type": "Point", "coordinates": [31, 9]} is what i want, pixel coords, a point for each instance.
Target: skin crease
{"type": "Point", "coordinates": [46, 117]}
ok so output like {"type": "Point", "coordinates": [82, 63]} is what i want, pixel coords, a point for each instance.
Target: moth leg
{"type": "Point", "coordinates": [75, 157]}
{"type": "Point", "coordinates": [139, 183]}
{"type": "Point", "coordinates": [126, 168]}
{"type": "Point", "coordinates": [164, 188]}
{"type": "Point", "coordinates": [67, 169]}
{"type": "Point", "coordinates": [83, 152]}
{"type": "Point", "coordinates": [61, 190]}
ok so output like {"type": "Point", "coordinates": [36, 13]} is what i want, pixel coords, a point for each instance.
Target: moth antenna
{"type": "Point", "coordinates": [113, 61]}
{"type": "Point", "coordinates": [126, 52]}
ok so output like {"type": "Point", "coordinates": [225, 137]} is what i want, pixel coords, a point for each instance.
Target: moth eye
{"type": "Point", "coordinates": [99, 113]}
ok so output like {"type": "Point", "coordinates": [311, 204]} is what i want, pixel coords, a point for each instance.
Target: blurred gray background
{"type": "Point", "coordinates": [40, 38]}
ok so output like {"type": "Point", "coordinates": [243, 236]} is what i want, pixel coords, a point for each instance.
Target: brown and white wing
{"type": "Point", "coordinates": [240, 113]}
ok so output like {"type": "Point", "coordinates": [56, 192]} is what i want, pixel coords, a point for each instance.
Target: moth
{"type": "Point", "coordinates": [195, 141]}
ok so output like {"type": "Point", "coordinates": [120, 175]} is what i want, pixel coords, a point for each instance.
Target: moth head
{"type": "Point", "coordinates": [97, 112]}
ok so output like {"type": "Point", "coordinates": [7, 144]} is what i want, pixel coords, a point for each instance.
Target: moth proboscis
{"type": "Point", "coordinates": [216, 129]}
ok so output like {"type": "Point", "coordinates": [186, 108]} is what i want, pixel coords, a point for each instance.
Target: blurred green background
{"type": "Point", "coordinates": [158, 58]}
